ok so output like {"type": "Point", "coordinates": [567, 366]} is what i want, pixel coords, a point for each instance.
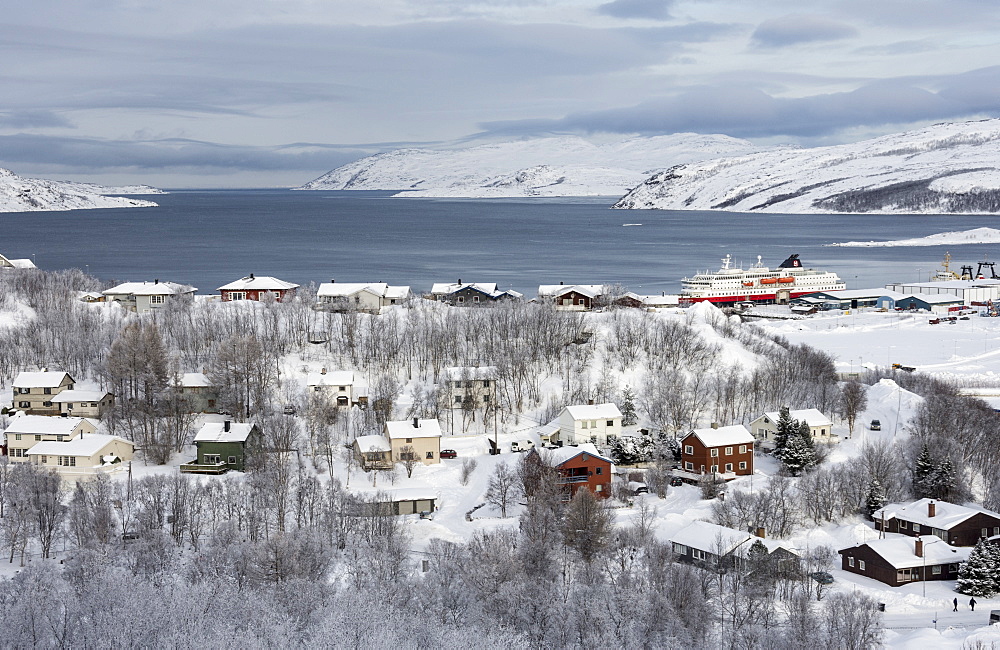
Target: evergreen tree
{"type": "Point", "coordinates": [875, 498]}
{"type": "Point", "coordinates": [629, 450]}
{"type": "Point", "coordinates": [786, 429]}
{"type": "Point", "coordinates": [942, 480]}
{"type": "Point", "coordinates": [798, 455]}
{"type": "Point", "coordinates": [629, 417]}
{"type": "Point", "coordinates": [980, 575]}
{"type": "Point", "coordinates": [922, 472]}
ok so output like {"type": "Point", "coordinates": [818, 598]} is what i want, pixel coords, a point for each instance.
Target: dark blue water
{"type": "Point", "coordinates": [209, 238]}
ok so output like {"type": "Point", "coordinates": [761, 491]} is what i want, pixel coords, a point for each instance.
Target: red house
{"type": "Point", "coordinates": [955, 524]}
{"type": "Point", "coordinates": [899, 560]}
{"type": "Point", "coordinates": [726, 451]}
{"type": "Point", "coordinates": [254, 288]}
{"type": "Point", "coordinates": [581, 467]}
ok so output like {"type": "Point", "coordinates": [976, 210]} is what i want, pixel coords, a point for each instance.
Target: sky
{"type": "Point", "coordinates": [273, 93]}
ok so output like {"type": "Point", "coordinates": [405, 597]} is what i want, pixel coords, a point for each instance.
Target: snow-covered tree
{"type": "Point", "coordinates": [923, 469]}
{"type": "Point", "coordinates": [875, 499]}
{"type": "Point", "coordinates": [980, 575]}
{"type": "Point", "coordinates": [942, 480]}
{"type": "Point", "coordinates": [629, 416]}
{"type": "Point", "coordinates": [629, 450]}
{"type": "Point", "coordinates": [786, 428]}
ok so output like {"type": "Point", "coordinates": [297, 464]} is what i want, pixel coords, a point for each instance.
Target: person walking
{"type": "Point", "coordinates": [956, 605]}
{"type": "Point", "coordinates": [972, 603]}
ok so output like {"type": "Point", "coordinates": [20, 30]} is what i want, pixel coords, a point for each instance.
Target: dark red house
{"type": "Point", "coordinates": [899, 560]}
{"type": "Point", "coordinates": [571, 297]}
{"type": "Point", "coordinates": [955, 524]}
{"type": "Point", "coordinates": [256, 288]}
{"type": "Point", "coordinates": [726, 451]}
{"type": "Point", "coordinates": [581, 467]}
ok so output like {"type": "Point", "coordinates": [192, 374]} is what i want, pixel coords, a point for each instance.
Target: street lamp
{"type": "Point", "coordinates": [924, 555]}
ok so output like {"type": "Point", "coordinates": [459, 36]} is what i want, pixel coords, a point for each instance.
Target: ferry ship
{"type": "Point", "coordinates": [758, 283]}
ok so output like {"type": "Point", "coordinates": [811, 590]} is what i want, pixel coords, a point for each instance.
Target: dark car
{"type": "Point", "coordinates": [676, 481]}
{"type": "Point", "coordinates": [822, 577]}
{"type": "Point", "coordinates": [875, 425]}
{"type": "Point", "coordinates": [449, 453]}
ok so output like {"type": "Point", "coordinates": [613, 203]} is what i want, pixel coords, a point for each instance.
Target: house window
{"type": "Point", "coordinates": [598, 488]}
{"type": "Point", "coordinates": [903, 524]}
{"type": "Point", "coordinates": [743, 449]}
{"type": "Point", "coordinates": [486, 399]}
{"type": "Point", "coordinates": [688, 449]}
{"type": "Point", "coordinates": [60, 438]}
{"type": "Point", "coordinates": [317, 388]}
{"type": "Point", "coordinates": [17, 436]}
{"type": "Point", "coordinates": [475, 298]}
{"type": "Point", "coordinates": [37, 438]}
{"type": "Point", "coordinates": [46, 458]}
{"type": "Point", "coordinates": [46, 403]}
{"type": "Point", "coordinates": [729, 467]}
{"type": "Point", "coordinates": [715, 469]}
{"type": "Point", "coordinates": [409, 440]}
{"type": "Point", "coordinates": [430, 455]}
{"type": "Point", "coordinates": [65, 461]}
{"type": "Point", "coordinates": [156, 300]}
{"type": "Point", "coordinates": [599, 470]}
{"type": "Point", "coordinates": [861, 564]}
{"type": "Point", "coordinates": [458, 399]}
{"type": "Point", "coordinates": [714, 453]}
{"type": "Point", "coordinates": [850, 562]}
{"type": "Point", "coordinates": [24, 405]}
{"type": "Point", "coordinates": [689, 466]}
{"type": "Point", "coordinates": [916, 527]}
{"type": "Point", "coordinates": [952, 568]}
{"type": "Point", "coordinates": [486, 383]}
{"type": "Point", "coordinates": [47, 391]}
{"type": "Point", "coordinates": [729, 451]}
{"type": "Point", "coordinates": [343, 388]}
{"type": "Point", "coordinates": [611, 423]}
{"type": "Point", "coordinates": [212, 459]}
{"type": "Point", "coordinates": [579, 301]}
{"type": "Point", "coordinates": [232, 460]}
{"type": "Point", "coordinates": [996, 530]}
{"type": "Point", "coordinates": [680, 549]}
{"type": "Point", "coordinates": [985, 532]}
{"type": "Point", "coordinates": [24, 391]}
{"type": "Point", "coordinates": [743, 465]}
{"type": "Point", "coordinates": [697, 554]}
{"type": "Point", "coordinates": [461, 299]}
{"type": "Point", "coordinates": [237, 295]}
{"type": "Point", "coordinates": [936, 570]}
{"type": "Point", "coordinates": [18, 453]}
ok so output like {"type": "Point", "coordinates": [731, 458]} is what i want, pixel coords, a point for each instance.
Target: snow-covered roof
{"type": "Point", "coordinates": [344, 289]}
{"type": "Point", "coordinates": [86, 445]}
{"type": "Point", "coordinates": [560, 455]}
{"type": "Point", "coordinates": [79, 396]}
{"type": "Point", "coordinates": [43, 379]}
{"type": "Point", "coordinates": [16, 264]}
{"type": "Point", "coordinates": [43, 424]}
{"type": "Point", "coordinates": [405, 429]}
{"type": "Point", "coordinates": [936, 299]}
{"type": "Point", "coordinates": [155, 288]}
{"type": "Point", "coordinates": [216, 432]}
{"type": "Point", "coordinates": [662, 300]}
{"type": "Point", "coordinates": [900, 552]}
{"type": "Point", "coordinates": [258, 283]}
{"type": "Point", "coordinates": [593, 411]}
{"type": "Point", "coordinates": [734, 434]}
{"type": "Point", "coordinates": [333, 378]}
{"type": "Point", "coordinates": [946, 515]}
{"type": "Point", "coordinates": [398, 292]}
{"type": "Point", "coordinates": [445, 288]}
{"type": "Point", "coordinates": [814, 417]}
{"type": "Point", "coordinates": [720, 540]}
{"type": "Point", "coordinates": [556, 290]}
{"type": "Point", "coordinates": [856, 294]}
{"type": "Point", "coordinates": [458, 373]}
{"type": "Point", "coordinates": [194, 379]}
{"type": "Point", "coordinates": [372, 443]}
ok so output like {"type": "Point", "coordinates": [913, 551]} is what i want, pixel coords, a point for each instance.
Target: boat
{"type": "Point", "coordinates": [758, 283]}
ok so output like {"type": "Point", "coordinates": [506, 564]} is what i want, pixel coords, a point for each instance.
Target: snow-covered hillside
{"type": "Point", "coordinates": [18, 194]}
{"type": "Point", "coordinates": [957, 238]}
{"type": "Point", "coordinates": [946, 168]}
{"type": "Point", "coordinates": [557, 166]}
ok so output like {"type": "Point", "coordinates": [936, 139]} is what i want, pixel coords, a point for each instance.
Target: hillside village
{"type": "Point", "coordinates": [709, 476]}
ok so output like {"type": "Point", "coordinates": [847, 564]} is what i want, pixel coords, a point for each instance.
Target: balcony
{"type": "Point", "coordinates": [564, 480]}
{"type": "Point", "coordinates": [194, 467]}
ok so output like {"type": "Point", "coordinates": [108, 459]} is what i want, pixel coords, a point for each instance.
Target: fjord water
{"type": "Point", "coordinates": [208, 238]}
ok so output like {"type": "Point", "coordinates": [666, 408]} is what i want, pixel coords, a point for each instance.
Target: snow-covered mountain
{"type": "Point", "coordinates": [556, 166]}
{"type": "Point", "coordinates": [946, 168]}
{"type": "Point", "coordinates": [19, 194]}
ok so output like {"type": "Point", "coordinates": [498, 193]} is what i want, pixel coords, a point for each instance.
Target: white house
{"type": "Point", "coordinates": [765, 427]}
{"type": "Point", "coordinates": [25, 431]}
{"type": "Point", "coordinates": [86, 455]}
{"type": "Point", "coordinates": [142, 297]}
{"type": "Point", "coordinates": [339, 387]}
{"type": "Point", "coordinates": [33, 391]}
{"type": "Point", "coordinates": [84, 403]}
{"type": "Point", "coordinates": [370, 296]}
{"type": "Point", "coordinates": [373, 452]}
{"type": "Point", "coordinates": [470, 387]}
{"type": "Point", "coordinates": [7, 263]}
{"type": "Point", "coordinates": [596, 423]}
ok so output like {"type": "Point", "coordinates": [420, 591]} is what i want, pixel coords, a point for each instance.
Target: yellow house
{"type": "Point", "coordinates": [84, 456]}
{"type": "Point", "coordinates": [33, 391]}
{"type": "Point", "coordinates": [422, 436]}
{"type": "Point", "coordinates": [26, 431]}
{"type": "Point", "coordinates": [84, 403]}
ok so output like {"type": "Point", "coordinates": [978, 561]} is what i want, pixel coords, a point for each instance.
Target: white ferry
{"type": "Point", "coordinates": [758, 283]}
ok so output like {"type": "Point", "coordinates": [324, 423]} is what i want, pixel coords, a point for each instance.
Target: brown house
{"type": "Point", "coordinates": [955, 524]}
{"type": "Point", "coordinates": [899, 560]}
{"type": "Point", "coordinates": [574, 297]}
{"type": "Point", "coordinates": [580, 467]}
{"type": "Point", "coordinates": [254, 288]}
{"type": "Point", "coordinates": [726, 451]}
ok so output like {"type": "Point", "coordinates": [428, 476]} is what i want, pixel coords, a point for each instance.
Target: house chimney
{"type": "Point", "coordinates": [226, 425]}
{"type": "Point", "coordinates": [931, 509]}
{"type": "Point", "coordinates": [156, 281]}
{"type": "Point", "coordinates": [560, 283]}
{"type": "Point", "coordinates": [715, 425]}
{"type": "Point", "coordinates": [919, 547]}
{"type": "Point", "coordinates": [251, 276]}
{"type": "Point", "coordinates": [416, 423]}
{"type": "Point", "coordinates": [322, 371]}
{"type": "Point", "coordinates": [333, 280]}
{"type": "Point", "coordinates": [460, 280]}
{"type": "Point", "coordinates": [761, 532]}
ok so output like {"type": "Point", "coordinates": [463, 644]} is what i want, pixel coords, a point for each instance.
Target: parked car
{"type": "Point", "coordinates": [289, 409]}
{"type": "Point", "coordinates": [875, 425]}
{"type": "Point", "coordinates": [676, 481]}
{"type": "Point", "coordinates": [638, 487]}
{"type": "Point", "coordinates": [448, 453]}
{"type": "Point", "coordinates": [822, 577]}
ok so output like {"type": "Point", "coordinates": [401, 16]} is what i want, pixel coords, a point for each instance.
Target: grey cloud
{"type": "Point", "coordinates": [795, 29]}
{"type": "Point", "coordinates": [657, 9]}
{"type": "Point", "coordinates": [32, 120]}
{"type": "Point", "coordinates": [898, 48]}
{"type": "Point", "coordinates": [750, 112]}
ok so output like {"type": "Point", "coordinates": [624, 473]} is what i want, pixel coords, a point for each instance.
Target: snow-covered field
{"type": "Point", "coordinates": [958, 238]}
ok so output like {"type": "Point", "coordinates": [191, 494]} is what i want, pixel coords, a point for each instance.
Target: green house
{"type": "Point", "coordinates": [223, 446]}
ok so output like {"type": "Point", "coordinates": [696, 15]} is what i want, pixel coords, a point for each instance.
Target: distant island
{"type": "Point", "coordinates": [958, 238]}
{"type": "Point", "coordinates": [19, 194]}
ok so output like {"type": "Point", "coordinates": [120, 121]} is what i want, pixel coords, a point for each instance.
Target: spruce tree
{"type": "Point", "coordinates": [786, 429]}
{"type": "Point", "coordinates": [922, 471]}
{"type": "Point", "coordinates": [980, 575]}
{"type": "Point", "coordinates": [875, 499]}
{"type": "Point", "coordinates": [942, 480]}
{"type": "Point", "coordinates": [629, 416]}
{"type": "Point", "coordinates": [798, 455]}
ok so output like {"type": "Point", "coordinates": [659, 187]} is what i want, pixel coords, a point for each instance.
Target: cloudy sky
{"type": "Point", "coordinates": [219, 93]}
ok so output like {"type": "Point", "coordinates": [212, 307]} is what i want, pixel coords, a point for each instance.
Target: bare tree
{"type": "Point", "coordinates": [503, 488]}
{"type": "Point", "coordinates": [853, 400]}
{"type": "Point", "coordinates": [408, 457]}
{"type": "Point", "coordinates": [588, 524]}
